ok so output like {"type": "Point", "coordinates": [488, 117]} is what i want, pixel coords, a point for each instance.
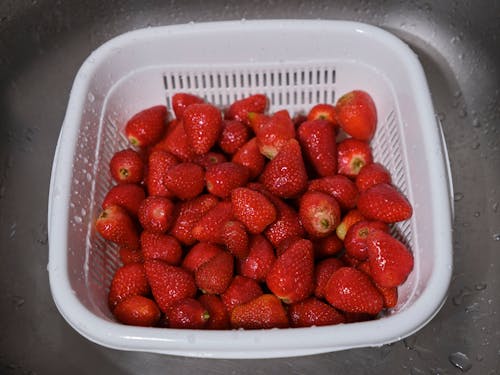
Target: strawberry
{"type": "Point", "coordinates": [128, 196]}
{"type": "Point", "coordinates": [239, 109]}
{"type": "Point", "coordinates": [187, 313]}
{"type": "Point", "coordinates": [159, 161]}
{"type": "Point", "coordinates": [253, 209]}
{"type": "Point", "coordinates": [235, 237]}
{"type": "Point", "coordinates": [203, 124]}
{"type": "Point", "coordinates": [349, 260]}
{"type": "Point", "coordinates": [349, 219]}
{"type": "Point", "coordinates": [389, 259]}
{"type": "Point", "coordinates": [285, 244]}
{"type": "Point", "coordinates": [357, 114]}
{"type": "Point", "coordinates": [339, 187]}
{"type": "Point", "coordinates": [189, 213]}
{"type": "Point", "coordinates": [240, 291]}
{"type": "Point", "coordinates": [371, 175]}
{"type": "Point", "coordinates": [146, 127]}
{"type": "Point", "coordinates": [219, 318]}
{"type": "Point", "coordinates": [385, 203]}
{"type": "Point", "coordinates": [222, 178]}
{"type": "Point", "coordinates": [176, 142]}
{"type": "Point", "coordinates": [324, 269]}
{"type": "Point", "coordinates": [210, 225]}
{"type": "Point", "coordinates": [259, 260]}
{"type": "Point", "coordinates": [355, 241]}
{"type": "Point", "coordinates": [137, 311]}
{"type": "Point", "coordinates": [115, 224]}
{"type": "Point", "coordinates": [350, 290]}
{"type": "Point", "coordinates": [352, 155]}
{"type": "Point", "coordinates": [168, 283]}
{"type": "Point", "coordinates": [128, 280]}
{"type": "Point", "coordinates": [199, 254]}
{"type": "Point", "coordinates": [285, 175]}
{"type": "Point", "coordinates": [256, 120]}
{"type": "Point", "coordinates": [182, 100]}
{"type": "Point", "coordinates": [313, 312]}
{"type": "Point", "coordinates": [327, 246]}
{"type": "Point", "coordinates": [319, 213]}
{"type": "Point", "coordinates": [325, 112]}
{"type": "Point", "coordinates": [160, 246]}
{"type": "Point", "coordinates": [130, 256]}
{"type": "Point", "coordinates": [210, 158]}
{"type": "Point", "coordinates": [126, 166]}
{"type": "Point", "coordinates": [185, 180]}
{"type": "Point", "coordinates": [291, 277]}
{"type": "Point", "coordinates": [249, 156]}
{"type": "Point", "coordinates": [275, 133]}
{"type": "Point", "coordinates": [298, 119]}
{"type": "Point", "coordinates": [265, 311]}
{"type": "Point", "coordinates": [389, 294]}
{"type": "Point", "coordinates": [234, 135]}
{"type": "Point", "coordinates": [156, 214]}
{"type": "Point", "coordinates": [317, 139]}
{"type": "Point", "coordinates": [215, 275]}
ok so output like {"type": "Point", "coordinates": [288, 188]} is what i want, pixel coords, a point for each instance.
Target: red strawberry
{"type": "Point", "coordinates": [222, 178]}
{"type": "Point", "coordinates": [240, 108]}
{"type": "Point", "coordinates": [253, 209]}
{"type": "Point", "coordinates": [285, 175]}
{"type": "Point", "coordinates": [159, 161]}
{"type": "Point", "coordinates": [285, 244]}
{"type": "Point", "coordinates": [160, 246]}
{"type": "Point", "coordinates": [128, 196]}
{"type": "Point", "coordinates": [275, 133]}
{"type": "Point", "coordinates": [291, 277]}
{"type": "Point", "coordinates": [114, 224]}
{"type": "Point", "coordinates": [327, 246]}
{"type": "Point", "coordinates": [176, 142]}
{"type": "Point", "coordinates": [185, 180]}
{"type": "Point", "coordinates": [287, 223]}
{"type": "Point", "coordinates": [182, 100]}
{"type": "Point", "coordinates": [319, 213]}
{"type": "Point", "coordinates": [389, 294]}
{"type": "Point", "coordinates": [323, 111]}
{"type": "Point", "coordinates": [349, 219]}
{"type": "Point", "coordinates": [257, 120]}
{"type": "Point", "coordinates": [249, 156]}
{"type": "Point", "coordinates": [352, 156]}
{"type": "Point", "coordinates": [339, 187]}
{"type": "Point", "coordinates": [349, 260]}
{"type": "Point", "coordinates": [265, 311]}
{"type": "Point", "coordinates": [130, 256]}
{"type": "Point", "coordinates": [357, 114]}
{"type": "Point", "coordinates": [187, 313]}
{"type": "Point", "coordinates": [210, 225]}
{"type": "Point", "coordinates": [210, 158]}
{"type": "Point", "coordinates": [126, 166]}
{"type": "Point", "coordinates": [351, 290]}
{"type": "Point", "coordinates": [168, 283]}
{"type": "Point", "coordinates": [390, 261]}
{"type": "Point", "coordinates": [146, 127]}
{"type": "Point", "coordinates": [322, 273]}
{"type": "Point", "coordinates": [234, 135]}
{"type": "Point", "coordinates": [156, 214]}
{"type": "Point", "coordinates": [235, 237]}
{"type": "Point", "coordinates": [319, 146]}
{"type": "Point", "coordinates": [199, 254]}
{"type": "Point", "coordinates": [371, 175]}
{"type": "Point", "coordinates": [259, 260]}
{"type": "Point", "coordinates": [215, 275]}
{"type": "Point", "coordinates": [203, 124]}
{"type": "Point", "coordinates": [219, 318]}
{"type": "Point", "coordinates": [385, 203]}
{"type": "Point", "coordinates": [137, 311]}
{"type": "Point", "coordinates": [240, 291]}
{"type": "Point", "coordinates": [313, 312]}
{"type": "Point", "coordinates": [128, 280]}
{"type": "Point", "coordinates": [355, 241]}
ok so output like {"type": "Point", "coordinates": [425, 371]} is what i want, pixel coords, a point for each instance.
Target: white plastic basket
{"type": "Point", "coordinates": [297, 64]}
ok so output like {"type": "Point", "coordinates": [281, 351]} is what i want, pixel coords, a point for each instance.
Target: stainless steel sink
{"type": "Point", "coordinates": [42, 45]}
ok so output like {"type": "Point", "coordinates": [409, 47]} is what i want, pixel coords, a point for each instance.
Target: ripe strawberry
{"type": "Point", "coordinates": [222, 178]}
{"type": "Point", "coordinates": [240, 291]}
{"type": "Point", "coordinates": [130, 256]}
{"type": "Point", "coordinates": [275, 133]}
{"type": "Point", "coordinates": [249, 156]}
{"type": "Point", "coordinates": [371, 175]}
{"type": "Point", "coordinates": [257, 120]}
{"type": "Point", "coordinates": [285, 244]}
{"type": "Point", "coordinates": [350, 290]}
{"type": "Point", "coordinates": [235, 237]}
{"type": "Point", "coordinates": [253, 209]}
{"type": "Point", "coordinates": [349, 260]}
{"type": "Point", "coordinates": [128, 280]}
{"type": "Point", "coordinates": [210, 225]}
{"type": "Point", "coordinates": [128, 196]}
{"type": "Point", "coordinates": [199, 254]}
{"type": "Point", "coordinates": [352, 155]}
{"type": "Point", "coordinates": [265, 311]}
{"type": "Point", "coordinates": [349, 219]}
{"type": "Point", "coordinates": [322, 273]}
{"type": "Point", "coordinates": [357, 114]}
{"type": "Point", "coordinates": [182, 100]}
{"type": "Point", "coordinates": [389, 294]}
{"type": "Point", "coordinates": [176, 142]}
{"type": "Point", "coordinates": [187, 313]}
{"type": "Point", "coordinates": [323, 111]}
{"type": "Point", "coordinates": [146, 127]}
{"type": "Point", "coordinates": [285, 175]}
{"type": "Point", "coordinates": [215, 275]}
{"type": "Point", "coordinates": [239, 109]}
{"type": "Point", "coordinates": [114, 224]}
{"type": "Point", "coordinates": [259, 260]}
{"type": "Point", "coordinates": [126, 166]}
{"type": "Point", "coordinates": [219, 318]}
{"type": "Point", "coordinates": [168, 283]}
{"type": "Point", "coordinates": [390, 261]}
{"type": "Point", "coordinates": [210, 158]}
{"type": "Point", "coordinates": [185, 180]}
{"type": "Point", "coordinates": [385, 203]}
{"type": "Point", "coordinates": [355, 241]}
{"type": "Point", "coordinates": [159, 161]}
{"type": "Point", "coordinates": [327, 246]}
{"type": "Point", "coordinates": [319, 213]}
{"type": "Point", "coordinates": [291, 277]}
{"type": "Point", "coordinates": [313, 312]}
{"type": "Point", "coordinates": [156, 214]}
{"type": "Point", "coordinates": [160, 246]}
{"type": "Point", "coordinates": [203, 124]}
{"type": "Point", "coordinates": [234, 135]}
{"type": "Point", "coordinates": [317, 139]}
{"type": "Point", "coordinates": [339, 187]}
{"type": "Point", "coordinates": [137, 311]}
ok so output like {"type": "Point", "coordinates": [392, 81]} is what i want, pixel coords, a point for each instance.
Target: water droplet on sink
{"type": "Point", "coordinates": [477, 214]}
{"type": "Point", "coordinates": [496, 237]}
{"type": "Point", "coordinates": [458, 197]}
{"type": "Point", "coordinates": [476, 123]}
{"type": "Point", "coordinates": [495, 207]}
{"type": "Point", "coordinates": [462, 113]}
{"type": "Point", "coordinates": [475, 145]}
{"type": "Point", "coordinates": [472, 308]}
{"type": "Point", "coordinates": [480, 286]}
{"type": "Point", "coordinates": [459, 298]}
{"type": "Point", "coordinates": [460, 361]}
{"type": "Point", "coordinates": [416, 371]}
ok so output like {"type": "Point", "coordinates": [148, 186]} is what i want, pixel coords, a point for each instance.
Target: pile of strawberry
{"type": "Point", "coordinates": [247, 219]}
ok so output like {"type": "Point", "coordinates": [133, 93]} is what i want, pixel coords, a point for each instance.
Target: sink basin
{"type": "Point", "coordinates": [42, 45]}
